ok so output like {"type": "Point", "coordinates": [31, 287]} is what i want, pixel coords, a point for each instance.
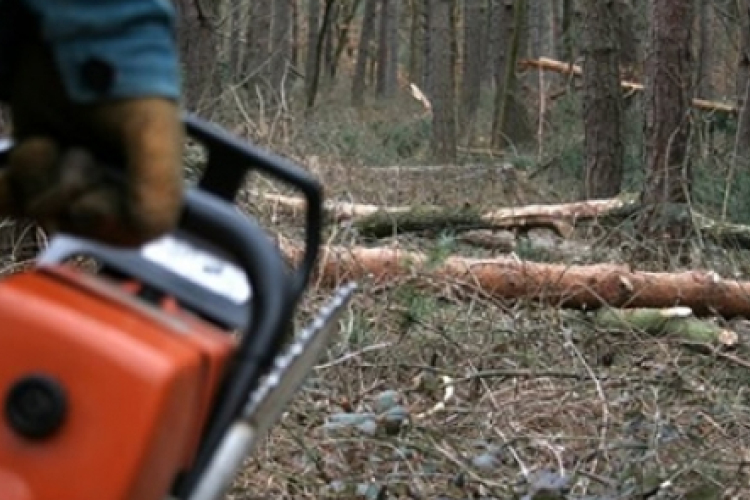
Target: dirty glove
{"type": "Point", "coordinates": [55, 175]}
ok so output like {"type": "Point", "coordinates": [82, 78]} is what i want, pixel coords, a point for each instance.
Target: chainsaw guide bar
{"type": "Point", "coordinates": [290, 368]}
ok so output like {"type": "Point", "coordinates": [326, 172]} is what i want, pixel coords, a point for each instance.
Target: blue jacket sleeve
{"type": "Point", "coordinates": [112, 48]}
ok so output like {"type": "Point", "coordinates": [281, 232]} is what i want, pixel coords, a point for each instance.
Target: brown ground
{"type": "Point", "coordinates": [542, 398]}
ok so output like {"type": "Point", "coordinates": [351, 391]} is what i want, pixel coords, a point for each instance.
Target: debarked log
{"type": "Point", "coordinates": [673, 321]}
{"type": "Point", "coordinates": [570, 286]}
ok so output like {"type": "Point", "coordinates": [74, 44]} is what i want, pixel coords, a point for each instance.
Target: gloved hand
{"type": "Point", "coordinates": [63, 188]}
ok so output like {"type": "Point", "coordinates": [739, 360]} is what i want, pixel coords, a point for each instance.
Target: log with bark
{"type": "Point", "coordinates": [574, 286]}
{"type": "Point", "coordinates": [547, 64]}
{"type": "Point", "coordinates": [380, 221]}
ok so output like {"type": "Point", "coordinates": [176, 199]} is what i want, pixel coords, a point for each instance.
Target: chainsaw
{"type": "Point", "coordinates": [154, 374]}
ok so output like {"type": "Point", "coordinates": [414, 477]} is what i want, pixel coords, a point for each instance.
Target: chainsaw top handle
{"type": "Point", "coordinates": [230, 159]}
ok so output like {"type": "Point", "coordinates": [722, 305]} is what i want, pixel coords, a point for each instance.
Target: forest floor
{"type": "Point", "coordinates": [537, 402]}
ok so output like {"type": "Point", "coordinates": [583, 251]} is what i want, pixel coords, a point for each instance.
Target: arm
{"type": "Point", "coordinates": [108, 49]}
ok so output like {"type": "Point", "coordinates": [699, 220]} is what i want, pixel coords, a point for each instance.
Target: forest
{"type": "Point", "coordinates": [546, 205]}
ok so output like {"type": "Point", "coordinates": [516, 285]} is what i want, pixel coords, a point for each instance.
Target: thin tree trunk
{"type": "Point", "coordinates": [343, 35]}
{"type": "Point", "coordinates": [510, 125]}
{"type": "Point", "coordinates": [416, 50]}
{"type": "Point", "coordinates": [391, 73]}
{"type": "Point", "coordinates": [427, 31]}
{"type": "Point", "coordinates": [363, 53]}
{"type": "Point", "coordinates": [280, 42]}
{"type": "Point", "coordinates": [743, 82]}
{"type": "Point", "coordinates": [443, 102]}
{"type": "Point", "coordinates": [471, 81]}
{"type": "Point", "coordinates": [312, 90]}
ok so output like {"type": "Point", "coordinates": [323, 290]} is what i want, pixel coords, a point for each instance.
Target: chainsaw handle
{"type": "Point", "coordinates": [230, 159]}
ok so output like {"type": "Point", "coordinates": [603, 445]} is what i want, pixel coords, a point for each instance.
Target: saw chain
{"type": "Point", "coordinates": [268, 401]}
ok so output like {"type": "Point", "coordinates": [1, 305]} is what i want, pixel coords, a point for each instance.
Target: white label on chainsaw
{"type": "Point", "coordinates": [200, 267]}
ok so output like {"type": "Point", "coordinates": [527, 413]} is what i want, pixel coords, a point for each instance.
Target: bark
{"type": "Point", "coordinates": [314, 82]}
{"type": "Point", "coordinates": [259, 39]}
{"type": "Point", "coordinates": [416, 38]}
{"type": "Point", "coordinates": [471, 82]}
{"type": "Point", "coordinates": [743, 81]}
{"type": "Point", "coordinates": [198, 52]}
{"type": "Point", "coordinates": [428, 28]}
{"type": "Point", "coordinates": [704, 85]}
{"type": "Point", "coordinates": [443, 98]}
{"type": "Point", "coordinates": [569, 286]}
{"type": "Point", "coordinates": [280, 42]}
{"type": "Point", "coordinates": [510, 123]}
{"type": "Point", "coordinates": [344, 31]}
{"type": "Point", "coordinates": [312, 60]}
{"type": "Point", "coordinates": [566, 23]}
{"type": "Point", "coordinates": [666, 128]}
{"type": "Point", "coordinates": [391, 69]}
{"type": "Point", "coordinates": [383, 32]}
{"type": "Point", "coordinates": [629, 86]}
{"type": "Point", "coordinates": [329, 41]}
{"type": "Point", "coordinates": [602, 102]}
{"type": "Point", "coordinates": [363, 53]}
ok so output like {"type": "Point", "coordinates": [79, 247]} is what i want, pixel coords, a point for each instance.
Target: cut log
{"type": "Point", "coordinates": [384, 223]}
{"type": "Point", "coordinates": [573, 69]}
{"type": "Point", "coordinates": [576, 286]}
{"type": "Point", "coordinates": [676, 321]}
{"type": "Point", "coordinates": [380, 221]}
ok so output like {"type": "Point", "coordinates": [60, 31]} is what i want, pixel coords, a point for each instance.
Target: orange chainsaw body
{"type": "Point", "coordinates": [138, 382]}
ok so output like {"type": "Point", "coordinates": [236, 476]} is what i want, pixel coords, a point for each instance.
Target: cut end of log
{"type": "Point", "coordinates": [676, 312]}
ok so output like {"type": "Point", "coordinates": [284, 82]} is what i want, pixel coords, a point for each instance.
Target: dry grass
{"type": "Point", "coordinates": [536, 393]}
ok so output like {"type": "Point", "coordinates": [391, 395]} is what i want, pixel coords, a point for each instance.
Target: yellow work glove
{"type": "Point", "coordinates": [63, 189]}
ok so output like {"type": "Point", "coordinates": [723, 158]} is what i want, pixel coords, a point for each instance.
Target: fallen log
{"type": "Point", "coordinates": [547, 64]}
{"type": "Point", "coordinates": [576, 286]}
{"type": "Point", "coordinates": [559, 217]}
{"type": "Point", "coordinates": [674, 321]}
{"type": "Point", "coordinates": [381, 221]}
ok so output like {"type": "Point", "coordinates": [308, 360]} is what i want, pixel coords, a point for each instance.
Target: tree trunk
{"type": "Point", "coordinates": [566, 29]}
{"type": "Point", "coordinates": [363, 53]}
{"type": "Point", "coordinates": [743, 82]}
{"type": "Point", "coordinates": [602, 101]}
{"type": "Point", "coordinates": [416, 48]}
{"type": "Point", "coordinates": [312, 56]}
{"type": "Point", "coordinates": [259, 40]}
{"type": "Point", "coordinates": [280, 42]}
{"type": "Point", "coordinates": [704, 85]}
{"type": "Point", "coordinates": [325, 27]}
{"type": "Point", "coordinates": [471, 81]}
{"type": "Point", "coordinates": [428, 28]}
{"type": "Point", "coordinates": [510, 124]}
{"type": "Point", "coordinates": [443, 101]}
{"type": "Point", "coordinates": [344, 31]}
{"type": "Point", "coordinates": [294, 51]}
{"type": "Point", "coordinates": [668, 92]}
{"type": "Point", "coordinates": [382, 84]}
{"type": "Point", "coordinates": [391, 74]}
{"type": "Point", "coordinates": [329, 44]}
{"type": "Point", "coordinates": [197, 45]}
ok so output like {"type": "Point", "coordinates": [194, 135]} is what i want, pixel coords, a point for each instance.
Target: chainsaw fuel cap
{"type": "Point", "coordinates": [36, 406]}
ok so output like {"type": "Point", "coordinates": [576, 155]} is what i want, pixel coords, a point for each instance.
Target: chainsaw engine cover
{"type": "Point", "coordinates": [104, 396]}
